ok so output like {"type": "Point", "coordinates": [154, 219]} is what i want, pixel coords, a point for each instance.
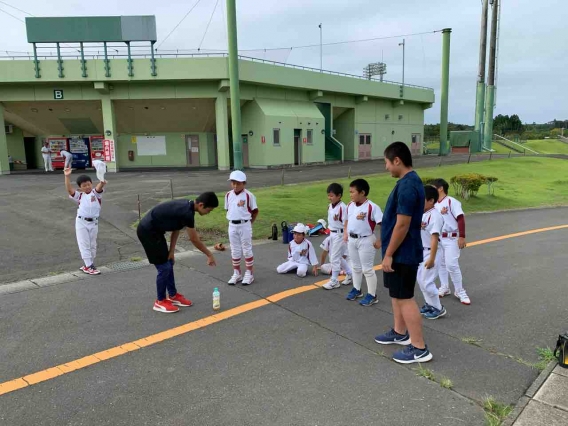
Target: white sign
{"type": "Point", "coordinates": [194, 149]}
{"type": "Point", "coordinates": [151, 145]}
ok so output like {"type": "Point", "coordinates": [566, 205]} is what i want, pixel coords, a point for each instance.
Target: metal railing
{"type": "Point", "coordinates": [100, 56]}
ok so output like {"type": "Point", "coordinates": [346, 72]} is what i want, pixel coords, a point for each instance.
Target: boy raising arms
{"type": "Point", "coordinates": [172, 216]}
{"type": "Point", "coordinates": [452, 242]}
{"type": "Point", "coordinates": [336, 217]}
{"type": "Point", "coordinates": [359, 231]}
{"type": "Point", "coordinates": [242, 211]}
{"type": "Point", "coordinates": [432, 223]}
{"type": "Point", "coordinates": [87, 221]}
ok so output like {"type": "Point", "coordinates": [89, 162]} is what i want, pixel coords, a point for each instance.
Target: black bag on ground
{"type": "Point", "coordinates": [561, 351]}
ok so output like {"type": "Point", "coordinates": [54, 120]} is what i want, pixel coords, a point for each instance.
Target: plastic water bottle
{"type": "Point", "coordinates": [216, 299]}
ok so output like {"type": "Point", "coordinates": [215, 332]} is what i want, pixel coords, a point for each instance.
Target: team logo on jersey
{"type": "Point", "coordinates": [424, 225]}
{"type": "Point", "coordinates": [444, 210]}
{"type": "Point", "coordinates": [335, 217]}
{"type": "Point", "coordinates": [361, 216]}
{"type": "Point", "coordinates": [93, 199]}
{"type": "Point", "coordinates": [304, 252]}
{"type": "Point", "coordinates": [241, 203]}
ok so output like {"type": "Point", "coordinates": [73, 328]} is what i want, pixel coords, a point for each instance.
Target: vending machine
{"type": "Point", "coordinates": [79, 147]}
{"type": "Point", "coordinates": [56, 145]}
{"type": "Point", "coordinates": [97, 149]}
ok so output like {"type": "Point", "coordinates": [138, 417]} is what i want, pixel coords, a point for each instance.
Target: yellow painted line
{"type": "Point", "coordinates": [53, 372]}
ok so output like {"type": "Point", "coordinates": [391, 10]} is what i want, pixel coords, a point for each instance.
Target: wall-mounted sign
{"type": "Point", "coordinates": [58, 94]}
{"type": "Point", "coordinates": [108, 147]}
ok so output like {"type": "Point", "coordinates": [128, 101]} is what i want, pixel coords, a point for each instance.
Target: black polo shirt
{"type": "Point", "coordinates": [170, 216]}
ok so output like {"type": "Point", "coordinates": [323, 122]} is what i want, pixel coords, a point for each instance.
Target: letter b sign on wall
{"type": "Point", "coordinates": [58, 94]}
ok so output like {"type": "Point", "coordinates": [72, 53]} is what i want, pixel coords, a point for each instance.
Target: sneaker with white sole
{"type": "Point", "coordinates": [354, 294]}
{"type": "Point", "coordinates": [93, 270]}
{"type": "Point", "coordinates": [410, 355]}
{"type": "Point", "coordinates": [348, 280]}
{"type": "Point", "coordinates": [425, 309]}
{"type": "Point", "coordinates": [435, 313]}
{"type": "Point", "coordinates": [444, 291]}
{"type": "Point", "coordinates": [235, 278]}
{"type": "Point", "coordinates": [248, 279]}
{"type": "Point", "coordinates": [85, 269]}
{"type": "Point", "coordinates": [369, 300]}
{"type": "Point", "coordinates": [464, 298]}
{"type": "Point", "coordinates": [331, 284]}
{"type": "Point", "coordinates": [393, 338]}
{"type": "Point", "coordinates": [165, 306]}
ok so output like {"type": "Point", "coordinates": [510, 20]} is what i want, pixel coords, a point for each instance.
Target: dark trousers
{"type": "Point", "coordinates": [156, 248]}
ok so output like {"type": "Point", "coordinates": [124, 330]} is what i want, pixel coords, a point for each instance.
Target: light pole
{"type": "Point", "coordinates": [403, 44]}
{"type": "Point", "coordinates": [321, 48]}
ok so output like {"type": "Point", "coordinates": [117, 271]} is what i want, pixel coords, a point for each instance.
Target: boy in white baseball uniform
{"type": "Point", "coordinates": [46, 154]}
{"type": "Point", "coordinates": [432, 223]}
{"type": "Point", "coordinates": [359, 231]}
{"type": "Point", "coordinates": [452, 242]}
{"type": "Point", "coordinates": [241, 213]}
{"type": "Point", "coordinates": [87, 222]}
{"type": "Point", "coordinates": [336, 217]}
{"type": "Point", "coordinates": [301, 254]}
{"type": "Point", "coordinates": [68, 158]}
{"type": "Point", "coordinates": [326, 268]}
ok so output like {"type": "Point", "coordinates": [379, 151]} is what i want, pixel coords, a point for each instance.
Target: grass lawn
{"type": "Point", "coordinates": [523, 182]}
{"type": "Point", "coordinates": [548, 146]}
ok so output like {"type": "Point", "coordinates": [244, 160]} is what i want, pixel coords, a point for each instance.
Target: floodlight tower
{"type": "Point", "coordinates": [377, 68]}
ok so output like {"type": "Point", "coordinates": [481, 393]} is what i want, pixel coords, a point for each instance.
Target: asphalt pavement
{"type": "Point", "coordinates": [304, 357]}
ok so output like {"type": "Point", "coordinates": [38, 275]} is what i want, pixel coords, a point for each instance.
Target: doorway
{"type": "Point", "coordinates": [364, 146]}
{"type": "Point", "coordinates": [192, 142]}
{"type": "Point", "coordinates": [30, 152]}
{"type": "Point", "coordinates": [415, 147]}
{"type": "Point", "coordinates": [297, 147]}
{"type": "Point", "coordinates": [245, 146]}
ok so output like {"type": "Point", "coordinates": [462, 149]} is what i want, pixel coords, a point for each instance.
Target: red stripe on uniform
{"type": "Point", "coordinates": [248, 202]}
{"type": "Point", "coordinates": [372, 223]}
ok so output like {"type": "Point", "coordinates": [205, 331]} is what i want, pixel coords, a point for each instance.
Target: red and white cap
{"type": "Point", "coordinates": [238, 176]}
{"type": "Point", "coordinates": [300, 228]}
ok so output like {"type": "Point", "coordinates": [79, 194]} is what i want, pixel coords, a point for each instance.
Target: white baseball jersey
{"type": "Point", "coordinates": [66, 154]}
{"type": "Point", "coordinates": [336, 216]}
{"type": "Point", "coordinates": [363, 218]}
{"type": "Point", "coordinates": [432, 223]}
{"type": "Point", "coordinates": [302, 253]}
{"type": "Point", "coordinates": [327, 243]}
{"type": "Point", "coordinates": [240, 206]}
{"type": "Point", "coordinates": [45, 150]}
{"type": "Point", "coordinates": [450, 208]}
{"type": "Point", "coordinates": [88, 205]}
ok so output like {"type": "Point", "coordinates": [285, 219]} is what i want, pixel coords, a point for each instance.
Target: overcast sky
{"type": "Point", "coordinates": [533, 59]}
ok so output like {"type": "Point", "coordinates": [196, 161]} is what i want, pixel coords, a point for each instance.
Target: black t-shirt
{"type": "Point", "coordinates": [170, 216]}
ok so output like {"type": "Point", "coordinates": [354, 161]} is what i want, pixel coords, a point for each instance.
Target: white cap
{"type": "Point", "coordinates": [238, 176]}
{"type": "Point", "coordinates": [300, 228]}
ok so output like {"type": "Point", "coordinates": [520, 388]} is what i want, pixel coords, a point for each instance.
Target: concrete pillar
{"type": "Point", "coordinates": [4, 164]}
{"type": "Point", "coordinates": [444, 148]}
{"type": "Point", "coordinates": [222, 122]}
{"type": "Point", "coordinates": [234, 79]}
{"type": "Point", "coordinates": [109, 124]}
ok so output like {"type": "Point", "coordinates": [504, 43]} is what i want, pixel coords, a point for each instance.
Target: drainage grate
{"type": "Point", "coordinates": [127, 266]}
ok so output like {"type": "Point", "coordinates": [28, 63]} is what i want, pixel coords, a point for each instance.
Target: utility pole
{"type": "Point", "coordinates": [234, 84]}
{"type": "Point", "coordinates": [480, 95]}
{"type": "Point", "coordinates": [321, 48]}
{"type": "Point", "coordinates": [445, 88]}
{"type": "Point", "coordinates": [403, 44]}
{"type": "Point", "coordinates": [490, 95]}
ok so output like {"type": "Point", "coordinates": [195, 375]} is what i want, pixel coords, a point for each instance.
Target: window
{"type": "Point", "coordinates": [368, 140]}
{"type": "Point", "coordinates": [361, 139]}
{"type": "Point", "coordinates": [276, 137]}
{"type": "Point", "coordinates": [310, 137]}
{"type": "Point", "coordinates": [414, 138]}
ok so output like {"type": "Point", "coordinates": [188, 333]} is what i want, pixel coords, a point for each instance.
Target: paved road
{"type": "Point", "coordinates": [306, 359]}
{"type": "Point", "coordinates": [37, 231]}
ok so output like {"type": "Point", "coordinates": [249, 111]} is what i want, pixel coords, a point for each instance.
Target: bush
{"type": "Point", "coordinates": [427, 180]}
{"type": "Point", "coordinates": [467, 186]}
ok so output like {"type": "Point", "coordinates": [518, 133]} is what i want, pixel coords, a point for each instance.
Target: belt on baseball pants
{"type": "Point", "coordinates": [449, 234]}
{"type": "Point", "coordinates": [335, 231]}
{"type": "Point", "coordinates": [88, 219]}
{"type": "Point", "coordinates": [358, 236]}
{"type": "Point", "coordinates": [238, 222]}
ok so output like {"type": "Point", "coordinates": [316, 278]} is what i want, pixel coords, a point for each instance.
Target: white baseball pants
{"type": "Point", "coordinates": [449, 263]}
{"type": "Point", "coordinates": [240, 238]}
{"type": "Point", "coordinates": [47, 162]}
{"type": "Point", "coordinates": [87, 239]}
{"type": "Point", "coordinates": [336, 253]}
{"type": "Point", "coordinates": [362, 256]}
{"type": "Point", "coordinates": [426, 280]}
{"type": "Point", "coordinates": [68, 161]}
{"type": "Point", "coordinates": [301, 268]}
{"type": "Point", "coordinates": [326, 267]}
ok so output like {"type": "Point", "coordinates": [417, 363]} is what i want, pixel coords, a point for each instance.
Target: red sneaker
{"type": "Point", "coordinates": [93, 271]}
{"type": "Point", "coordinates": [165, 306]}
{"type": "Point", "coordinates": [84, 269]}
{"type": "Point", "coordinates": [179, 300]}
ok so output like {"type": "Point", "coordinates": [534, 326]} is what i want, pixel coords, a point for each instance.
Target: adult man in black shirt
{"type": "Point", "coordinates": [172, 216]}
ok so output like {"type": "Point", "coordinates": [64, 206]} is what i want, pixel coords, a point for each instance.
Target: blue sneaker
{"type": "Point", "coordinates": [369, 300]}
{"type": "Point", "coordinates": [393, 338]}
{"type": "Point", "coordinates": [425, 308]}
{"type": "Point", "coordinates": [354, 294]}
{"type": "Point", "coordinates": [410, 355]}
{"type": "Point", "coordinates": [435, 313]}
